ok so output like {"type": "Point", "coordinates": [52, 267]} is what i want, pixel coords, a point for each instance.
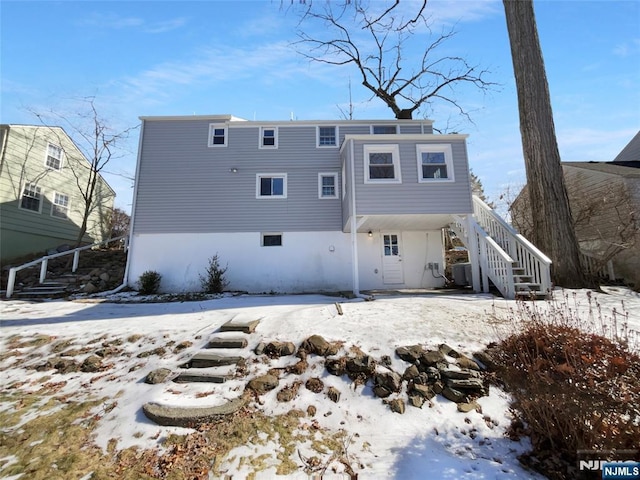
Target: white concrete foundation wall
{"type": "Point", "coordinates": [417, 250]}
{"type": "Point", "coordinates": [306, 261]}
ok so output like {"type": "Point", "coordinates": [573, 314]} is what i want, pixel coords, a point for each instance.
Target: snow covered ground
{"type": "Point", "coordinates": [435, 441]}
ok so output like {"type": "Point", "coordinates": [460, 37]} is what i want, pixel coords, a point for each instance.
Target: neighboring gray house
{"type": "Point", "coordinates": [297, 206]}
{"type": "Point", "coordinates": [41, 206]}
{"type": "Point", "coordinates": [605, 205]}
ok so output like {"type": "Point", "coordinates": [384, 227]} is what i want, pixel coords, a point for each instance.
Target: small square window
{"type": "Point", "coordinates": [217, 135]}
{"type": "Point", "coordinates": [271, 239]}
{"type": "Point", "coordinates": [271, 185]}
{"type": "Point", "coordinates": [328, 185]}
{"type": "Point", "coordinates": [268, 137]}
{"type": "Point", "coordinates": [31, 197]}
{"type": "Point", "coordinates": [435, 163]}
{"type": "Point", "coordinates": [54, 157]}
{"type": "Point", "coordinates": [60, 206]}
{"type": "Point", "coordinates": [327, 137]}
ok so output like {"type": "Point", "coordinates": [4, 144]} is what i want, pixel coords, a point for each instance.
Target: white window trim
{"type": "Point", "coordinates": [448, 160]}
{"type": "Point", "coordinates": [54, 204]}
{"type": "Point", "coordinates": [263, 234]}
{"type": "Point", "coordinates": [212, 128]}
{"type": "Point", "coordinates": [336, 193]}
{"type": "Point", "coordinates": [46, 157]}
{"type": "Point", "coordinates": [260, 176]}
{"type": "Point", "coordinates": [394, 149]}
{"type": "Point", "coordinates": [24, 185]}
{"type": "Point", "coordinates": [260, 140]}
{"type": "Point", "coordinates": [371, 128]}
{"type": "Point", "coordinates": [335, 145]}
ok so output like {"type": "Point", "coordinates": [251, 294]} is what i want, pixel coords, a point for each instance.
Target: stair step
{"type": "Point", "coordinates": [221, 342]}
{"type": "Point", "coordinates": [244, 327]}
{"type": "Point", "coordinates": [526, 285]}
{"type": "Point", "coordinates": [210, 359]}
{"type": "Point", "coordinates": [200, 377]}
{"type": "Point", "coordinates": [530, 294]}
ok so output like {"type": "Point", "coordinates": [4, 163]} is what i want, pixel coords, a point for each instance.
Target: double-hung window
{"type": "Point", "coordinates": [268, 137]}
{"type": "Point", "coordinates": [435, 163]}
{"type": "Point", "coordinates": [60, 205]}
{"type": "Point", "coordinates": [382, 164]}
{"type": "Point", "coordinates": [328, 185]}
{"type": "Point", "coordinates": [218, 135]}
{"type": "Point", "coordinates": [31, 198]}
{"type": "Point", "coordinates": [271, 185]}
{"type": "Point", "coordinates": [327, 136]}
{"type": "Point", "coordinates": [54, 157]}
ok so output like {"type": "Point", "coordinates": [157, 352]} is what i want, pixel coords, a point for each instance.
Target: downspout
{"type": "Point", "coordinates": [354, 223]}
{"type": "Point", "coordinates": [133, 216]}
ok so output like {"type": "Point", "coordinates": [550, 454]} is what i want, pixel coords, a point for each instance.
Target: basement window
{"type": "Point", "coordinates": [271, 240]}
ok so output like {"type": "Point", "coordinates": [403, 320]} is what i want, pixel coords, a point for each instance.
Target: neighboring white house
{"type": "Point", "coordinates": [296, 206]}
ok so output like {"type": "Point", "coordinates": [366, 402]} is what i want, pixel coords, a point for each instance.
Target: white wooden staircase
{"type": "Point", "coordinates": [512, 263]}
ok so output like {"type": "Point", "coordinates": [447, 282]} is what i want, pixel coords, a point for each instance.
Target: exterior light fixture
{"type": "Point", "coordinates": [233, 170]}
{"type": "Point", "coordinates": [370, 233]}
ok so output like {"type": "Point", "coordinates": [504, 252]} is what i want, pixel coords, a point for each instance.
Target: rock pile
{"type": "Point", "coordinates": [442, 371]}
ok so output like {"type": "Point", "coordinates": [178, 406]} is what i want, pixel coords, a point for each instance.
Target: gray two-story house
{"type": "Point", "coordinates": [296, 206]}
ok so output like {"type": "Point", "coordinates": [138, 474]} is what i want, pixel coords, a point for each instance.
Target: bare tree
{"type": "Point", "coordinates": [375, 41]}
{"type": "Point", "coordinates": [99, 144]}
{"type": "Point", "coordinates": [553, 230]}
{"type": "Point", "coordinates": [119, 222]}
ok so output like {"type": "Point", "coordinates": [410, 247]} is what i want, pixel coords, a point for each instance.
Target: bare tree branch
{"type": "Point", "coordinates": [375, 44]}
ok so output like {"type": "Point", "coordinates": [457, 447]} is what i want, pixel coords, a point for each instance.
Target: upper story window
{"type": "Point", "coordinates": [60, 205]}
{"type": "Point", "coordinates": [328, 185]}
{"type": "Point", "coordinates": [54, 157]}
{"type": "Point", "coordinates": [435, 163]}
{"type": "Point", "coordinates": [218, 135]}
{"type": "Point", "coordinates": [268, 137]}
{"type": "Point", "coordinates": [327, 136]}
{"type": "Point", "coordinates": [382, 164]}
{"type": "Point", "coordinates": [271, 185]}
{"type": "Point", "coordinates": [384, 129]}
{"type": "Point", "coordinates": [31, 197]}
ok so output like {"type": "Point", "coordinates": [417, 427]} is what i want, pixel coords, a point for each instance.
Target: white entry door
{"type": "Point", "coordinates": [392, 272]}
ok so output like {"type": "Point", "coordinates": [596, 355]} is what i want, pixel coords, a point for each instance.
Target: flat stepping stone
{"type": "Point", "coordinates": [235, 326]}
{"type": "Point", "coordinates": [210, 359]}
{"type": "Point", "coordinates": [174, 416]}
{"type": "Point", "coordinates": [227, 343]}
{"type": "Point", "coordinates": [200, 377]}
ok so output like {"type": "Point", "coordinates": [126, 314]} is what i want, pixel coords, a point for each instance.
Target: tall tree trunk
{"type": "Point", "coordinates": [553, 230]}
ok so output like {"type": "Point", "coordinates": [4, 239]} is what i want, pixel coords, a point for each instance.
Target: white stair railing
{"type": "Point", "coordinates": [536, 264]}
{"type": "Point", "coordinates": [44, 262]}
{"type": "Point", "coordinates": [495, 263]}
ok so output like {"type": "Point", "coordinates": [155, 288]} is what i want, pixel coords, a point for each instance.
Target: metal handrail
{"type": "Point", "coordinates": [44, 261]}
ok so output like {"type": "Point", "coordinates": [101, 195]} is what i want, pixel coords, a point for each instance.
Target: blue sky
{"type": "Point", "coordinates": [214, 57]}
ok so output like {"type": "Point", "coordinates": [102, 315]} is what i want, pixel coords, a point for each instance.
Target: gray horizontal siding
{"type": "Point", "coordinates": [411, 197]}
{"type": "Point", "coordinates": [185, 186]}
